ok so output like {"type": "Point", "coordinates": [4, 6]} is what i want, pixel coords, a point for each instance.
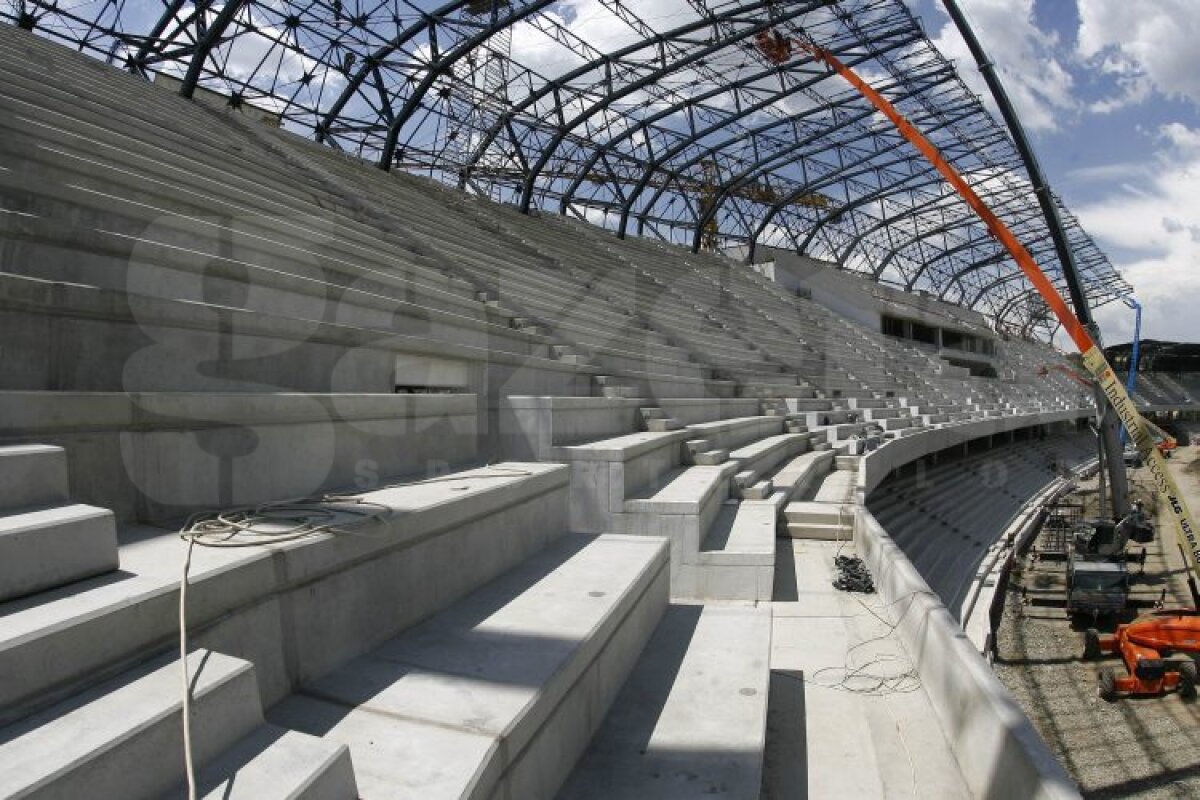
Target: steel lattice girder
{"type": "Point", "coordinates": [763, 147]}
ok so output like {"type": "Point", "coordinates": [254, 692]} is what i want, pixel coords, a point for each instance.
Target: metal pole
{"type": "Point", "coordinates": [1135, 353]}
{"type": "Point", "coordinates": [1109, 424]}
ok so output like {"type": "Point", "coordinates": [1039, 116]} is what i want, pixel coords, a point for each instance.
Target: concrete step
{"type": "Point", "coordinates": [684, 491]}
{"type": "Point", "coordinates": [810, 511]}
{"type": "Point", "coordinates": [45, 548]}
{"type": "Point", "coordinates": [619, 391]}
{"type": "Point", "coordinates": [691, 720]}
{"type": "Point", "coordinates": [758, 491]}
{"type": "Point", "coordinates": [491, 697]}
{"type": "Point", "coordinates": [663, 425]}
{"type": "Point", "coordinates": [276, 762]}
{"type": "Point", "coordinates": [804, 472]}
{"type": "Point", "coordinates": [32, 475]}
{"type": "Point", "coordinates": [710, 458]}
{"type": "Point", "coordinates": [766, 454]}
{"type": "Point", "coordinates": [819, 530]}
{"type": "Point", "coordinates": [124, 738]}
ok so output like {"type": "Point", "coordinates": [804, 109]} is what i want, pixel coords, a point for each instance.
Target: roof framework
{"type": "Point", "coordinates": [664, 118]}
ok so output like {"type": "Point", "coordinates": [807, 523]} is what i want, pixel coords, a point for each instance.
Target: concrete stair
{"type": "Point", "coordinates": [829, 513]}
{"type": "Point", "coordinates": [50, 547]}
{"type": "Point", "coordinates": [32, 475]}
{"type": "Point", "coordinates": [499, 693]}
{"type": "Point", "coordinates": [46, 541]}
{"type": "Point", "coordinates": [124, 738]}
{"type": "Point", "coordinates": [277, 762]}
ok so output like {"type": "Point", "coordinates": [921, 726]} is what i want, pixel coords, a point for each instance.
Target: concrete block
{"type": "Point", "coordinates": [52, 547]}
{"type": "Point", "coordinates": [711, 458]}
{"type": "Point", "coordinates": [32, 475]}
{"type": "Point", "coordinates": [759, 491]}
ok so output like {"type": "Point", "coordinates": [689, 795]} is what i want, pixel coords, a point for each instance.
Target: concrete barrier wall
{"type": "Point", "coordinates": [998, 750]}
{"type": "Point", "coordinates": [150, 456]}
{"type": "Point", "coordinates": [877, 465]}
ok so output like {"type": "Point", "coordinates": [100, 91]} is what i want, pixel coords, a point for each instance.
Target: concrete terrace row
{"type": "Point", "coordinates": [343, 267]}
{"type": "Point", "coordinates": [579, 454]}
{"type": "Point", "coordinates": [945, 513]}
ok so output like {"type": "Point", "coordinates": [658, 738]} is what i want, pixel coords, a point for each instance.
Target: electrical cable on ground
{"type": "Point", "coordinates": [853, 575]}
{"type": "Point", "coordinates": [904, 682]}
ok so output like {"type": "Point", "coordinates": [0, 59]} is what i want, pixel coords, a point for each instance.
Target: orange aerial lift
{"type": "Point", "coordinates": [1145, 643]}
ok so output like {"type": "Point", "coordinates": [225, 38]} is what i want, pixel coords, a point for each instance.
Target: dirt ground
{"type": "Point", "coordinates": [1131, 747]}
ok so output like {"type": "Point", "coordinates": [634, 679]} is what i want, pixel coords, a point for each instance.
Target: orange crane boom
{"type": "Point", "coordinates": [1093, 356]}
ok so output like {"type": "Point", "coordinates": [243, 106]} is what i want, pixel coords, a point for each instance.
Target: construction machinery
{"type": "Point", "coordinates": [1097, 572]}
{"type": "Point", "coordinates": [1142, 643]}
{"type": "Point", "coordinates": [1156, 649]}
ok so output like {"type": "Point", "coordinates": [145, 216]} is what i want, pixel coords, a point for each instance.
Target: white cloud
{"type": "Point", "coordinates": [1105, 173]}
{"type": "Point", "coordinates": [1039, 84]}
{"type": "Point", "coordinates": [1144, 42]}
{"type": "Point", "coordinates": [1158, 225]}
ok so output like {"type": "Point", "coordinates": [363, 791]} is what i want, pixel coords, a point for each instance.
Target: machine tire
{"type": "Point", "coordinates": [1091, 644]}
{"type": "Point", "coordinates": [1108, 684]}
{"type": "Point", "coordinates": [1187, 679]}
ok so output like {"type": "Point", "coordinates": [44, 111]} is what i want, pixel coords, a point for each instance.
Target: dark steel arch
{"type": "Point", "coordinates": [547, 151]}
{"type": "Point", "coordinates": [204, 47]}
{"type": "Point", "coordinates": [713, 150]}
{"type": "Point", "coordinates": [558, 84]}
{"type": "Point", "coordinates": [839, 174]}
{"type": "Point", "coordinates": [584, 140]}
{"type": "Point", "coordinates": [755, 171]}
{"type": "Point", "coordinates": [683, 144]}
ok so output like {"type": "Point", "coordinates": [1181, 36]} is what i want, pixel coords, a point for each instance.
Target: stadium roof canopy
{"type": "Point", "coordinates": [696, 122]}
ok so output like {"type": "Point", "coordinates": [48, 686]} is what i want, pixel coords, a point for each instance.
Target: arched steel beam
{"type": "Point", "coordinates": [730, 187]}
{"type": "Point", "coordinates": [862, 200]}
{"type": "Point", "coordinates": [204, 47]}
{"type": "Point", "coordinates": [440, 66]}
{"type": "Point", "coordinates": [1041, 190]}
{"type": "Point", "coordinates": [558, 83]}
{"type": "Point", "coordinates": [884, 222]}
{"type": "Point", "coordinates": [136, 62]}
{"type": "Point", "coordinates": [755, 171]}
{"type": "Point", "coordinates": [1035, 250]}
{"type": "Point", "coordinates": [645, 123]}
{"type": "Point", "coordinates": [1039, 247]}
{"type": "Point", "coordinates": [654, 163]}
{"type": "Point", "coordinates": [1019, 218]}
{"type": "Point", "coordinates": [839, 175]}
{"type": "Point", "coordinates": [719, 43]}
{"type": "Point", "coordinates": [428, 22]}
{"type": "Point", "coordinates": [711, 151]}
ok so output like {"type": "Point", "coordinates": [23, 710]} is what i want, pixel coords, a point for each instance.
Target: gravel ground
{"type": "Point", "coordinates": [1132, 747]}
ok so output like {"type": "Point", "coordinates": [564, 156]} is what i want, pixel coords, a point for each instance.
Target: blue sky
{"type": "Point", "coordinates": [1110, 91]}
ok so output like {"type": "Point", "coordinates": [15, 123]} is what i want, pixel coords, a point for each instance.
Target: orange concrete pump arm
{"type": "Point", "coordinates": [1093, 356]}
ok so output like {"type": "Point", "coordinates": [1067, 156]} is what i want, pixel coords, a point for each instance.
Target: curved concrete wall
{"type": "Point", "coordinates": [877, 465]}
{"type": "Point", "coordinates": [998, 750]}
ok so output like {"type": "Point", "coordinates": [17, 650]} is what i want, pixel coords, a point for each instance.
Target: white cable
{"type": "Point", "coordinates": [309, 516]}
{"type": "Point", "coordinates": [188, 764]}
